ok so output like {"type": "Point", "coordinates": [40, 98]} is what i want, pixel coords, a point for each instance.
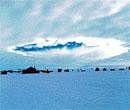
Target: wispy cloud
{"type": "Point", "coordinates": [61, 9]}
{"type": "Point", "coordinates": [36, 9]}
{"type": "Point", "coordinates": [117, 5]}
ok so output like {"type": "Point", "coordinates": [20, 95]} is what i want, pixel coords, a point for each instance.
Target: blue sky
{"type": "Point", "coordinates": [54, 30]}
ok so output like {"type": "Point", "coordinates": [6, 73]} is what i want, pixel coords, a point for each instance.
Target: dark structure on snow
{"type": "Point", "coordinates": [30, 70]}
{"type": "Point", "coordinates": [46, 71]}
{"type": "Point", "coordinates": [83, 70]}
{"type": "Point", "coordinates": [59, 70]}
{"type": "Point", "coordinates": [97, 69]}
{"type": "Point", "coordinates": [104, 69]}
{"type": "Point", "coordinates": [33, 70]}
{"type": "Point", "coordinates": [10, 71]}
{"type": "Point", "coordinates": [129, 68]}
{"type": "Point", "coordinates": [112, 69]}
{"type": "Point", "coordinates": [66, 70]}
{"type": "Point", "coordinates": [3, 72]}
{"type": "Point", "coordinates": [122, 69]}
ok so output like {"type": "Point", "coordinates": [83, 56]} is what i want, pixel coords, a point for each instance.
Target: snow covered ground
{"type": "Point", "coordinates": [90, 90]}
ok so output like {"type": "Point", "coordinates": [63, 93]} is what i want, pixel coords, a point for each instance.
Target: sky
{"type": "Point", "coordinates": [64, 33]}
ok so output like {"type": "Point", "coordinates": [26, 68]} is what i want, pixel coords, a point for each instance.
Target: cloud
{"type": "Point", "coordinates": [5, 33]}
{"type": "Point", "coordinates": [58, 20]}
{"type": "Point", "coordinates": [61, 9]}
{"type": "Point", "coordinates": [104, 8]}
{"type": "Point", "coordinates": [118, 5]}
{"type": "Point", "coordinates": [37, 9]}
{"type": "Point", "coordinates": [85, 49]}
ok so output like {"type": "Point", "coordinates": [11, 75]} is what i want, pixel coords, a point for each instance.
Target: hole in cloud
{"type": "Point", "coordinates": [79, 49]}
{"type": "Point", "coordinates": [35, 47]}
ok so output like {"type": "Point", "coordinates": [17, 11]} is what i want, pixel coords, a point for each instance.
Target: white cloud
{"type": "Point", "coordinates": [108, 7]}
{"type": "Point", "coordinates": [93, 48]}
{"type": "Point", "coordinates": [76, 17]}
{"type": "Point", "coordinates": [117, 5]}
{"type": "Point", "coordinates": [36, 9]}
{"type": "Point", "coordinates": [5, 33]}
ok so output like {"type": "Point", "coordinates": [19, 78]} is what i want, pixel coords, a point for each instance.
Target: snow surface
{"type": "Point", "coordinates": [66, 91]}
